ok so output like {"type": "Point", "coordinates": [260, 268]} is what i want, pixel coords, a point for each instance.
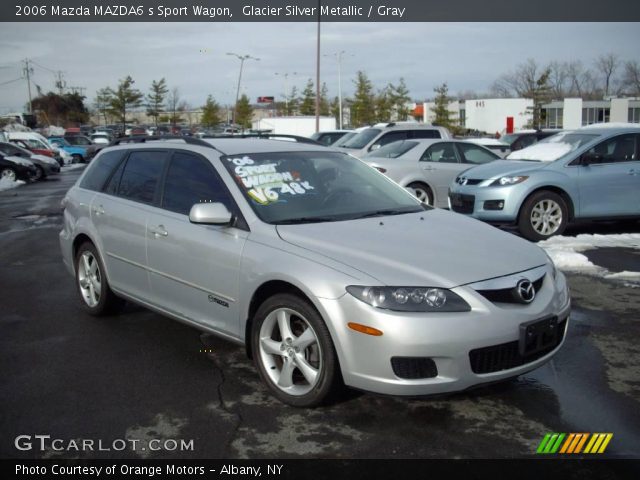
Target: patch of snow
{"type": "Point", "coordinates": [19, 161]}
{"type": "Point", "coordinates": [72, 166]}
{"type": "Point", "coordinates": [7, 184]}
{"type": "Point", "coordinates": [565, 253]}
{"type": "Point", "coordinates": [486, 141]}
{"type": "Point", "coordinates": [543, 152]}
{"type": "Point", "coordinates": [610, 125]}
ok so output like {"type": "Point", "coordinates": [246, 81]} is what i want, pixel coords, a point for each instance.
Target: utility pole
{"type": "Point", "coordinates": [285, 75]}
{"type": "Point", "coordinates": [338, 56]}
{"type": "Point", "coordinates": [242, 58]}
{"type": "Point", "coordinates": [318, 74]}
{"type": "Point", "coordinates": [60, 83]}
{"type": "Point", "coordinates": [28, 71]}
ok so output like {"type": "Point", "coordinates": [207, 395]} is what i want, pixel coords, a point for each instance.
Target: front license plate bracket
{"type": "Point", "coordinates": [538, 335]}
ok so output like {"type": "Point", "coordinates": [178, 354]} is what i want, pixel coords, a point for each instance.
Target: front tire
{"type": "Point", "coordinates": [422, 192]}
{"type": "Point", "coordinates": [76, 158]}
{"type": "Point", "coordinates": [293, 351]}
{"type": "Point", "coordinates": [543, 215]}
{"type": "Point", "coordinates": [95, 293]}
{"type": "Point", "coordinates": [39, 175]}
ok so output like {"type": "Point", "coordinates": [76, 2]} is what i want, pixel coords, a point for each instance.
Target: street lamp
{"type": "Point", "coordinates": [285, 75]}
{"type": "Point", "coordinates": [338, 56]}
{"type": "Point", "coordinates": [242, 58]}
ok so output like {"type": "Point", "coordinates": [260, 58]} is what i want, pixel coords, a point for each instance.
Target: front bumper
{"type": "Point", "coordinates": [446, 339]}
{"type": "Point", "coordinates": [475, 200]}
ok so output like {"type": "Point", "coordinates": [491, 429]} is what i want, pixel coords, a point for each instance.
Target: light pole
{"type": "Point", "coordinates": [285, 75]}
{"type": "Point", "coordinates": [242, 58]}
{"type": "Point", "coordinates": [338, 56]}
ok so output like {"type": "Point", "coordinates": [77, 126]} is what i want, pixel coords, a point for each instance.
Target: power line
{"type": "Point", "coordinates": [11, 81]}
{"type": "Point", "coordinates": [43, 67]}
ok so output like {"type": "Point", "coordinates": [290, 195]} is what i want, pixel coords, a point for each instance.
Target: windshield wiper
{"type": "Point", "coordinates": [293, 221]}
{"type": "Point", "coordinates": [382, 213]}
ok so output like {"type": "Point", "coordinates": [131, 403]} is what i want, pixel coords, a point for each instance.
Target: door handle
{"type": "Point", "coordinates": [99, 210]}
{"type": "Point", "coordinates": [428, 167]}
{"type": "Point", "coordinates": [158, 231]}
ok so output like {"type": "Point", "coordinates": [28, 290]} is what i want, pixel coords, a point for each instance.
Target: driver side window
{"type": "Point", "coordinates": [622, 148]}
{"type": "Point", "coordinates": [440, 152]}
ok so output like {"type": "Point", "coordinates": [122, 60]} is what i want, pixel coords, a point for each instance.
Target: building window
{"type": "Point", "coordinates": [595, 115]}
{"type": "Point", "coordinates": [553, 117]}
{"type": "Point", "coordinates": [463, 114]}
{"type": "Point", "coordinates": [634, 115]}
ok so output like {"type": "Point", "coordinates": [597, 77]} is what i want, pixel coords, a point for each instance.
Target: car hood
{"type": "Point", "coordinates": [500, 168]}
{"type": "Point", "coordinates": [43, 159]}
{"type": "Point", "coordinates": [434, 248]}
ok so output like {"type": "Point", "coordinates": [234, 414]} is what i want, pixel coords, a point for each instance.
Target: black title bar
{"type": "Point", "coordinates": [325, 10]}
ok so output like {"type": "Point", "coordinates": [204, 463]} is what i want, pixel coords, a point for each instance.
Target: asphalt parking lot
{"type": "Point", "coordinates": [141, 376]}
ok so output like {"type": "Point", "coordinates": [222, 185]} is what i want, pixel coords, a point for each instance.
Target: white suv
{"type": "Point", "coordinates": [381, 134]}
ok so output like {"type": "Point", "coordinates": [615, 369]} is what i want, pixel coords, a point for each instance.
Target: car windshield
{"type": "Point", "coordinates": [33, 143]}
{"type": "Point", "coordinates": [79, 140]}
{"type": "Point", "coordinates": [60, 141]}
{"type": "Point", "coordinates": [361, 139]}
{"type": "Point", "coordinates": [310, 187]}
{"type": "Point", "coordinates": [393, 149]}
{"type": "Point", "coordinates": [344, 139]}
{"type": "Point", "coordinates": [509, 139]}
{"type": "Point", "coordinates": [552, 148]}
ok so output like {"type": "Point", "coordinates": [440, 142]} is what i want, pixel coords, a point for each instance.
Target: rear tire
{"type": "Point", "coordinates": [9, 173]}
{"type": "Point", "coordinates": [76, 158]}
{"type": "Point", "coordinates": [39, 175]}
{"type": "Point", "coordinates": [95, 294]}
{"type": "Point", "coordinates": [543, 215]}
{"type": "Point", "coordinates": [422, 192]}
{"type": "Point", "coordinates": [294, 353]}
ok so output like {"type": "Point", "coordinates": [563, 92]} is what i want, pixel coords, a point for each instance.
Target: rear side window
{"type": "Point", "coordinates": [100, 170]}
{"type": "Point", "coordinates": [192, 180]}
{"type": "Point", "coordinates": [390, 137]}
{"type": "Point", "coordinates": [425, 134]}
{"type": "Point", "coordinates": [475, 154]}
{"type": "Point", "coordinates": [140, 176]}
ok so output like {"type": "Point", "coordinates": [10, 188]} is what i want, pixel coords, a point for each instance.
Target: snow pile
{"type": "Point", "coordinates": [565, 253]}
{"type": "Point", "coordinates": [53, 131]}
{"type": "Point", "coordinates": [543, 152]}
{"type": "Point", "coordinates": [16, 127]}
{"type": "Point", "coordinates": [6, 184]}
{"type": "Point", "coordinates": [610, 125]}
{"type": "Point", "coordinates": [72, 166]}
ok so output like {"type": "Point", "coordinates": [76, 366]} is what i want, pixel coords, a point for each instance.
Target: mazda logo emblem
{"type": "Point", "coordinates": [524, 291]}
{"type": "Point", "coordinates": [462, 180]}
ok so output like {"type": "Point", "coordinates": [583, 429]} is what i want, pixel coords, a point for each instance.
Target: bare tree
{"type": "Point", "coordinates": [559, 79]}
{"type": "Point", "coordinates": [173, 102]}
{"type": "Point", "coordinates": [519, 83]}
{"type": "Point", "coordinates": [631, 78]}
{"type": "Point", "coordinates": [606, 65]}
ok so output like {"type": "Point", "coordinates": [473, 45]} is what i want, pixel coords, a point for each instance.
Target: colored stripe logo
{"type": "Point", "coordinates": [563, 443]}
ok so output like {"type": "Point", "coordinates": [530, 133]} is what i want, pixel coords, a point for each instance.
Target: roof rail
{"type": "Point", "coordinates": [147, 138]}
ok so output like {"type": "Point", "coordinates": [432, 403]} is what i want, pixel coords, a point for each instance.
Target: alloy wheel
{"type": "Point", "coordinates": [546, 217]}
{"type": "Point", "coordinates": [89, 279]}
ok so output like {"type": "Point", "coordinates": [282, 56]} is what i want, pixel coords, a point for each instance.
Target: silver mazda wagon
{"type": "Point", "coordinates": [324, 269]}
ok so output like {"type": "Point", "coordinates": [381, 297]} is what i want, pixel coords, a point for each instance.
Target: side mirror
{"type": "Point", "coordinates": [590, 158]}
{"type": "Point", "coordinates": [210, 214]}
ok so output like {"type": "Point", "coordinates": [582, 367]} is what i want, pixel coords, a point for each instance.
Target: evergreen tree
{"type": "Point", "coordinates": [334, 109]}
{"type": "Point", "coordinates": [444, 116]}
{"type": "Point", "coordinates": [398, 98]}
{"type": "Point", "coordinates": [362, 105]}
{"type": "Point", "coordinates": [383, 105]}
{"type": "Point", "coordinates": [155, 98]}
{"type": "Point", "coordinates": [541, 94]}
{"type": "Point", "coordinates": [210, 113]}
{"type": "Point", "coordinates": [244, 112]}
{"type": "Point", "coordinates": [292, 103]}
{"type": "Point", "coordinates": [125, 98]}
{"type": "Point", "coordinates": [102, 103]}
{"type": "Point", "coordinates": [325, 106]}
{"type": "Point", "coordinates": [308, 100]}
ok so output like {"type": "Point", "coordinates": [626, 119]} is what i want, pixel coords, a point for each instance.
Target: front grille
{"type": "Point", "coordinates": [462, 203]}
{"type": "Point", "coordinates": [414, 367]}
{"type": "Point", "coordinates": [505, 295]}
{"type": "Point", "coordinates": [506, 355]}
{"type": "Point", "coordinates": [473, 181]}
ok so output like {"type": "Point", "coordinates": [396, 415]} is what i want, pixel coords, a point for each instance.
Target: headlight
{"type": "Point", "coordinates": [410, 299]}
{"type": "Point", "coordinates": [504, 181]}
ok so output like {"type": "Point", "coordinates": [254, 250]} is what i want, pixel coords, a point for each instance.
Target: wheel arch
{"type": "Point", "coordinates": [408, 181]}
{"type": "Point", "coordinates": [555, 189]}
{"type": "Point", "coordinates": [262, 293]}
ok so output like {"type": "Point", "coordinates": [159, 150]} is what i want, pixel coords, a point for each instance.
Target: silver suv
{"type": "Point", "coordinates": [382, 134]}
{"type": "Point", "coordinates": [323, 268]}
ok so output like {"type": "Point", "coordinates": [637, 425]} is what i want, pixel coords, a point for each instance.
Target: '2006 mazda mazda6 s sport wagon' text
{"type": "Point", "coordinates": [327, 271]}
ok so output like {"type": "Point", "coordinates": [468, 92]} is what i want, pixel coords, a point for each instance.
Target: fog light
{"type": "Point", "coordinates": [494, 205]}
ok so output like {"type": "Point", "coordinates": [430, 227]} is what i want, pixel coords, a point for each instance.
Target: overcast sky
{"type": "Point", "coordinates": [192, 56]}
